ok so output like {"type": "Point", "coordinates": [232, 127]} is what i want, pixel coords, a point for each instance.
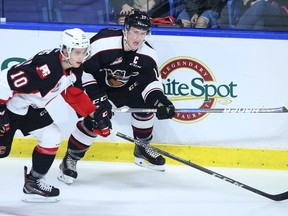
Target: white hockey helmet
{"type": "Point", "coordinates": [74, 38]}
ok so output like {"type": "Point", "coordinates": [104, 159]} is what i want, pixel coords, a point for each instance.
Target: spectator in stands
{"type": "Point", "coordinates": [228, 16]}
{"type": "Point", "coordinates": [191, 9]}
{"type": "Point", "coordinates": [160, 10]}
{"type": "Point", "coordinates": [284, 13]}
{"type": "Point", "coordinates": [209, 18]}
{"type": "Point", "coordinates": [247, 15]}
{"type": "Point", "coordinates": [261, 15]}
{"type": "Point", "coordinates": [121, 8]}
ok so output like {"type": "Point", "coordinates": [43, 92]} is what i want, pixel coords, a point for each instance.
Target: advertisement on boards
{"type": "Point", "coordinates": [197, 72]}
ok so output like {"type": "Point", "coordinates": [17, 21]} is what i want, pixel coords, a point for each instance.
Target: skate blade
{"type": "Point", "coordinates": [66, 179]}
{"type": "Point", "coordinates": [34, 198]}
{"type": "Point", "coordinates": [143, 163]}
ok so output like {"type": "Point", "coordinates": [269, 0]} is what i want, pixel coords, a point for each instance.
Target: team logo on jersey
{"type": "Point", "coordinates": [43, 71]}
{"type": "Point", "coordinates": [189, 83]}
{"type": "Point", "coordinates": [117, 78]}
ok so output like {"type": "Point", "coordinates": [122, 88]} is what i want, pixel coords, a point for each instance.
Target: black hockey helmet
{"type": "Point", "coordinates": [138, 19]}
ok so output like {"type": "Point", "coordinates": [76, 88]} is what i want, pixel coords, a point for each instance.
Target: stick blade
{"type": "Point", "coordinates": [284, 109]}
{"type": "Point", "coordinates": [279, 197]}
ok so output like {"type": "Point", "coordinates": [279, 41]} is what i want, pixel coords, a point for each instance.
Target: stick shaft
{"type": "Point", "coordinates": [216, 110]}
{"type": "Point", "coordinates": [276, 197]}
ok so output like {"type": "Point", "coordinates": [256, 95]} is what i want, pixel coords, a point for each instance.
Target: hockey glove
{"type": "Point", "coordinates": [4, 120]}
{"type": "Point", "coordinates": [102, 100]}
{"type": "Point", "coordinates": [165, 110]}
{"type": "Point", "coordinates": [100, 124]}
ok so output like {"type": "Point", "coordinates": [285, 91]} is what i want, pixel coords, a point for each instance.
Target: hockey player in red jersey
{"type": "Point", "coordinates": [25, 90]}
{"type": "Point", "coordinates": [122, 68]}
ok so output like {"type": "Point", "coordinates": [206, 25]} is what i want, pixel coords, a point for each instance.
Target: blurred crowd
{"type": "Point", "coordinates": [220, 14]}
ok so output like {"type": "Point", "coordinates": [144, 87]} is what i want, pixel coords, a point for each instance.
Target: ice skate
{"type": "Point", "coordinates": [147, 157]}
{"type": "Point", "coordinates": [37, 190]}
{"type": "Point", "coordinates": [68, 171]}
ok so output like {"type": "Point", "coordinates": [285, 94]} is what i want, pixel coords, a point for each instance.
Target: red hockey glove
{"type": "Point", "coordinates": [4, 120]}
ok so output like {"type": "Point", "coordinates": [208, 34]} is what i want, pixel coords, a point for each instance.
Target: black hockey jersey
{"type": "Point", "coordinates": [39, 80]}
{"type": "Point", "coordinates": [123, 75]}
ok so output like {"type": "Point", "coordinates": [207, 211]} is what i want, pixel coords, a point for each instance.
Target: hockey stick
{"type": "Point", "coordinates": [276, 197]}
{"type": "Point", "coordinates": [282, 109]}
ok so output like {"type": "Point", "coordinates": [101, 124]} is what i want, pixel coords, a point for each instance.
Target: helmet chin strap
{"type": "Point", "coordinates": [66, 59]}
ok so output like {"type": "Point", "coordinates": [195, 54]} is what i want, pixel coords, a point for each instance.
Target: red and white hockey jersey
{"type": "Point", "coordinates": [39, 80]}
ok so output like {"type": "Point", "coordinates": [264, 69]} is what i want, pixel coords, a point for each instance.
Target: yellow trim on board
{"type": "Point", "coordinates": [201, 155]}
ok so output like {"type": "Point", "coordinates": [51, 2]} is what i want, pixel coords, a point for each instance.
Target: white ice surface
{"type": "Point", "coordinates": [124, 189]}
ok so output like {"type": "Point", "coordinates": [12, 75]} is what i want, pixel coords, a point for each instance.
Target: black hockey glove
{"type": "Point", "coordinates": [100, 124]}
{"type": "Point", "coordinates": [102, 100]}
{"type": "Point", "coordinates": [165, 110]}
{"type": "Point", "coordinates": [4, 120]}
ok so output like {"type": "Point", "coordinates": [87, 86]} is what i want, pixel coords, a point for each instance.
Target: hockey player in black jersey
{"type": "Point", "coordinates": [122, 68]}
{"type": "Point", "coordinates": [25, 90]}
